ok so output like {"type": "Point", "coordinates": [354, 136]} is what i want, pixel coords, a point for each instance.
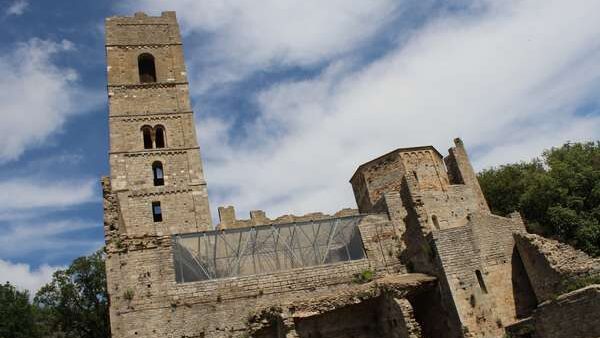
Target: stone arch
{"type": "Point", "coordinates": [159, 136]}
{"type": "Point", "coordinates": [147, 136]}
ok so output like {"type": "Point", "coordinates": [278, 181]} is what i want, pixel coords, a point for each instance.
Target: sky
{"type": "Point", "coordinates": [289, 98]}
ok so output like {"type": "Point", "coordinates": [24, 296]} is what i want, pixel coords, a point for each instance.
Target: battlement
{"type": "Point", "coordinates": [228, 220]}
{"type": "Point", "coordinates": [141, 29]}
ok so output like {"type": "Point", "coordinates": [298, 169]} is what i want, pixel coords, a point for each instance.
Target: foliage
{"type": "Point", "coordinates": [364, 276]}
{"type": "Point", "coordinates": [128, 294]}
{"type": "Point", "coordinates": [17, 314]}
{"type": "Point", "coordinates": [75, 302]}
{"type": "Point", "coordinates": [578, 283]}
{"type": "Point", "coordinates": [558, 195]}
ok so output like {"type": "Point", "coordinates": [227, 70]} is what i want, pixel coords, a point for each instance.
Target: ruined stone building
{"type": "Point", "coordinates": [421, 256]}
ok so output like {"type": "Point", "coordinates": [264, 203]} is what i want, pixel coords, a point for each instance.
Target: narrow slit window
{"type": "Point", "coordinates": [156, 212]}
{"type": "Point", "coordinates": [159, 136]}
{"type": "Point", "coordinates": [146, 68]}
{"type": "Point", "coordinates": [481, 281]}
{"type": "Point", "coordinates": [147, 136]}
{"type": "Point", "coordinates": [157, 172]}
{"type": "Point", "coordinates": [415, 175]}
{"type": "Point", "coordinates": [435, 221]}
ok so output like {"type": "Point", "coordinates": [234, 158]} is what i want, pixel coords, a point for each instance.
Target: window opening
{"type": "Point", "coordinates": [158, 174]}
{"type": "Point", "coordinates": [481, 281]}
{"type": "Point", "coordinates": [147, 135]}
{"type": "Point", "coordinates": [146, 68]}
{"type": "Point", "coordinates": [435, 221]}
{"type": "Point", "coordinates": [156, 212]}
{"type": "Point", "coordinates": [159, 137]}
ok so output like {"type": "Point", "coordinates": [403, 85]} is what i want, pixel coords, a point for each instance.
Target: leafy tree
{"type": "Point", "coordinates": [75, 302]}
{"type": "Point", "coordinates": [17, 314]}
{"type": "Point", "coordinates": [559, 195]}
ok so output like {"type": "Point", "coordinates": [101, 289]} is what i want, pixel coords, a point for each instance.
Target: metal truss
{"type": "Point", "coordinates": [266, 248]}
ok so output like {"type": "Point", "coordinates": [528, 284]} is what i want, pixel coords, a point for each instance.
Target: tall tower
{"type": "Point", "coordinates": [155, 166]}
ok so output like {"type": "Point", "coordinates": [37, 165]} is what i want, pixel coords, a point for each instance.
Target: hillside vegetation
{"type": "Point", "coordinates": [557, 194]}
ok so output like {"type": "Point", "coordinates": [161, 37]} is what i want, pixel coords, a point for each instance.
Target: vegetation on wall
{"type": "Point", "coordinates": [73, 305]}
{"type": "Point", "coordinates": [557, 194]}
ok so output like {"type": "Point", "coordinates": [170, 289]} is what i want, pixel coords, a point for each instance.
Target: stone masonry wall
{"type": "Point", "coordinates": [135, 104]}
{"type": "Point", "coordinates": [481, 271]}
{"type": "Point", "coordinates": [146, 301]}
{"type": "Point", "coordinates": [147, 298]}
{"type": "Point", "coordinates": [573, 315]}
{"type": "Point", "coordinates": [228, 219]}
{"type": "Point", "coordinates": [551, 264]}
{"type": "Point", "coordinates": [165, 97]}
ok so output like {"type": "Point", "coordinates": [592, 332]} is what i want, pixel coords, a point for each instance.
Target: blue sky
{"type": "Point", "coordinates": [290, 97]}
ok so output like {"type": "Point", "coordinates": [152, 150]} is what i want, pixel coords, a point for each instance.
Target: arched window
{"type": "Point", "coordinates": [156, 212]}
{"type": "Point", "coordinates": [481, 281]}
{"type": "Point", "coordinates": [159, 136]}
{"type": "Point", "coordinates": [146, 68]}
{"type": "Point", "coordinates": [434, 219]}
{"type": "Point", "coordinates": [147, 135]}
{"type": "Point", "coordinates": [157, 172]}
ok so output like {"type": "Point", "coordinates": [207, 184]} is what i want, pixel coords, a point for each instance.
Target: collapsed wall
{"type": "Point", "coordinates": [574, 315]}
{"type": "Point", "coordinates": [553, 266]}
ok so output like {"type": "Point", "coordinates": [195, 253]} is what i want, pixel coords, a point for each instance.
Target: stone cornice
{"type": "Point", "coordinates": [151, 152]}
{"type": "Point", "coordinates": [141, 45]}
{"type": "Point", "coordinates": [166, 191]}
{"type": "Point", "coordinates": [147, 85]}
{"type": "Point", "coordinates": [141, 115]}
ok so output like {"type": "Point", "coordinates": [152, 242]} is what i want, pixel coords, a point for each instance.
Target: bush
{"type": "Point", "coordinates": [558, 195]}
{"type": "Point", "coordinates": [364, 276]}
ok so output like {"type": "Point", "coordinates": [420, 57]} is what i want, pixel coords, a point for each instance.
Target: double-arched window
{"type": "Point", "coordinates": [146, 68]}
{"type": "Point", "coordinates": [154, 137]}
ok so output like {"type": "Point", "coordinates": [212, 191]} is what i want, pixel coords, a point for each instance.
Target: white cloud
{"type": "Point", "coordinates": [244, 36]}
{"type": "Point", "coordinates": [22, 276]}
{"type": "Point", "coordinates": [23, 195]}
{"type": "Point", "coordinates": [18, 7]}
{"type": "Point", "coordinates": [509, 78]}
{"type": "Point", "coordinates": [52, 238]}
{"type": "Point", "coordinates": [36, 95]}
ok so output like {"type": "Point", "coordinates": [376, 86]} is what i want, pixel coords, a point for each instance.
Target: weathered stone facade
{"type": "Point", "coordinates": [432, 260]}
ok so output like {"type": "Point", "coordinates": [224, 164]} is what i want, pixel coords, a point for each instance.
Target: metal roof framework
{"type": "Point", "coordinates": [267, 248]}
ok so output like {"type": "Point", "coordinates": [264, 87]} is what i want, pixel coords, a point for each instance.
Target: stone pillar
{"type": "Point", "coordinates": [226, 217]}
{"type": "Point", "coordinates": [461, 171]}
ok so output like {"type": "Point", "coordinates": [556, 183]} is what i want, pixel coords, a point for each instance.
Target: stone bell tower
{"type": "Point", "coordinates": [155, 166]}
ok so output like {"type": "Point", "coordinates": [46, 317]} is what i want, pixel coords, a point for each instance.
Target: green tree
{"type": "Point", "coordinates": [17, 314]}
{"type": "Point", "coordinates": [75, 302]}
{"type": "Point", "coordinates": [558, 195]}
